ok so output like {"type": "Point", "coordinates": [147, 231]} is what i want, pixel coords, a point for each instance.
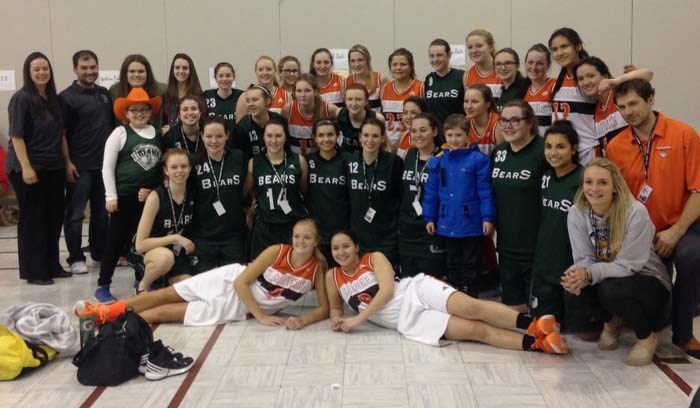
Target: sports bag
{"type": "Point", "coordinates": [114, 355]}
{"type": "Point", "coordinates": [18, 355]}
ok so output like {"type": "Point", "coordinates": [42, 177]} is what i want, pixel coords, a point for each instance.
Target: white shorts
{"type": "Point", "coordinates": [423, 317]}
{"type": "Point", "coordinates": [210, 297]}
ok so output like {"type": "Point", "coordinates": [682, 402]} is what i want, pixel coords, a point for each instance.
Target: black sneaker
{"type": "Point", "coordinates": [162, 362]}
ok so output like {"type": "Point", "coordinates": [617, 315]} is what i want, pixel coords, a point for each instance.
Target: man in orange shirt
{"type": "Point", "coordinates": [660, 160]}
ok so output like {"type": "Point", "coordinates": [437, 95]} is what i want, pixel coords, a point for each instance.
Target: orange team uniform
{"type": "Point", "coordinates": [491, 80]}
{"type": "Point", "coordinates": [608, 123]}
{"type": "Point", "coordinates": [570, 104]}
{"type": "Point", "coordinates": [301, 127]}
{"type": "Point", "coordinates": [333, 91]}
{"type": "Point", "coordinates": [374, 97]}
{"type": "Point", "coordinates": [539, 101]}
{"type": "Point", "coordinates": [279, 99]}
{"type": "Point", "coordinates": [404, 144]}
{"type": "Point", "coordinates": [392, 107]}
{"type": "Point", "coordinates": [674, 167]}
{"type": "Point", "coordinates": [486, 141]}
{"type": "Point", "coordinates": [283, 279]}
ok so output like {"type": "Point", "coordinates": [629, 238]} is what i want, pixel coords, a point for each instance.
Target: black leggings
{"type": "Point", "coordinates": [120, 232]}
{"type": "Point", "coordinates": [639, 300]}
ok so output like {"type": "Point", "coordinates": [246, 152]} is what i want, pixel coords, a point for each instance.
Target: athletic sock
{"type": "Point", "coordinates": [528, 341]}
{"type": "Point", "coordinates": [523, 321]}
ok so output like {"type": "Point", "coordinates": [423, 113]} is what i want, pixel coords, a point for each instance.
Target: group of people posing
{"type": "Point", "coordinates": [591, 194]}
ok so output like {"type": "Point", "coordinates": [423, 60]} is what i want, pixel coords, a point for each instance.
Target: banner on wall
{"type": "Point", "coordinates": [459, 53]}
{"type": "Point", "coordinates": [340, 59]}
{"type": "Point", "coordinates": [7, 80]}
{"type": "Point", "coordinates": [107, 77]}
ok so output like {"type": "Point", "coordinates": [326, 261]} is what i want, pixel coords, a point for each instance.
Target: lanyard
{"type": "Point", "coordinates": [185, 140]}
{"type": "Point", "coordinates": [284, 185]}
{"type": "Point", "coordinates": [369, 186]}
{"type": "Point", "coordinates": [217, 181]}
{"type": "Point", "coordinates": [419, 176]}
{"type": "Point", "coordinates": [646, 155]}
{"type": "Point", "coordinates": [177, 221]}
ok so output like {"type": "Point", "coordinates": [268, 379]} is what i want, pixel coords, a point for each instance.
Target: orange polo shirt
{"type": "Point", "coordinates": [674, 167]}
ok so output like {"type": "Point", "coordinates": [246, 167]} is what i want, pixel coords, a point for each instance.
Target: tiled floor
{"type": "Point", "coordinates": [256, 366]}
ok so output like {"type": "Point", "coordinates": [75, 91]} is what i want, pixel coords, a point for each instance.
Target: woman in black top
{"type": "Point", "coordinates": [37, 166]}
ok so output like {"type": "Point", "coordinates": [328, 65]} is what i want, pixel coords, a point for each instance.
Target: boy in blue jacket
{"type": "Point", "coordinates": [458, 204]}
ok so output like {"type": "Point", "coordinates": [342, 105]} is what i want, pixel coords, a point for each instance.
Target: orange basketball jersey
{"type": "Point", "coordinates": [487, 140]}
{"type": "Point", "coordinates": [281, 279]}
{"type": "Point", "coordinates": [392, 107]}
{"type": "Point", "coordinates": [333, 91]}
{"type": "Point", "coordinates": [491, 80]}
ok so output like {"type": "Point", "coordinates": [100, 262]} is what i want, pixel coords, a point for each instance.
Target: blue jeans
{"type": "Point", "coordinates": [88, 187]}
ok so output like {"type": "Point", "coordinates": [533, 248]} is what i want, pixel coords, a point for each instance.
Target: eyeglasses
{"type": "Point", "coordinates": [290, 71]}
{"type": "Point", "coordinates": [138, 111]}
{"type": "Point", "coordinates": [504, 64]}
{"type": "Point", "coordinates": [514, 122]}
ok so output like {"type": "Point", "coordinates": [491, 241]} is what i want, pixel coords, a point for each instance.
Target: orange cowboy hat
{"type": "Point", "coordinates": [136, 95]}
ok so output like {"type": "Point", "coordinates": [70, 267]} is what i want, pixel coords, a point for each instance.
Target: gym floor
{"type": "Point", "coordinates": [245, 364]}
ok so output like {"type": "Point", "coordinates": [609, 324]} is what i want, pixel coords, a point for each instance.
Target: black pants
{"type": "Point", "coordinates": [639, 300]}
{"type": "Point", "coordinates": [464, 263]}
{"type": "Point", "coordinates": [686, 288]}
{"type": "Point", "coordinates": [41, 207]}
{"type": "Point", "coordinates": [120, 233]}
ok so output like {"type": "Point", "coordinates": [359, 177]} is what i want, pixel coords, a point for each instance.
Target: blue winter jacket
{"type": "Point", "coordinates": [458, 195]}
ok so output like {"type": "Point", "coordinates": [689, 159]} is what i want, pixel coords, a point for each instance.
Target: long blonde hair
{"type": "Point", "coordinates": [372, 84]}
{"type": "Point", "coordinates": [616, 216]}
{"type": "Point", "coordinates": [488, 38]}
{"type": "Point", "coordinates": [320, 258]}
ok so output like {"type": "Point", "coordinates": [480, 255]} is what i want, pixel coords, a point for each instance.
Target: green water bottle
{"type": "Point", "coordinates": [87, 329]}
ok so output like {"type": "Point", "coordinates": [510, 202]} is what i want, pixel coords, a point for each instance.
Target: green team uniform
{"type": "Point", "coordinates": [327, 199]}
{"type": "Point", "coordinates": [445, 95]}
{"type": "Point", "coordinates": [175, 138]}
{"type": "Point", "coordinates": [350, 141]}
{"type": "Point", "coordinates": [516, 179]}
{"type": "Point", "coordinates": [419, 251]}
{"type": "Point", "coordinates": [138, 163]}
{"type": "Point", "coordinates": [173, 218]}
{"type": "Point", "coordinates": [248, 135]}
{"type": "Point", "coordinates": [279, 203]}
{"type": "Point", "coordinates": [218, 185]}
{"type": "Point", "coordinates": [224, 108]}
{"type": "Point", "coordinates": [376, 185]}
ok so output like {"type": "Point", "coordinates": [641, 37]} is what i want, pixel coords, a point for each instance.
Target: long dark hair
{"type": "Point", "coordinates": [573, 37]}
{"type": "Point", "coordinates": [149, 86]}
{"type": "Point", "coordinates": [193, 85]}
{"type": "Point", "coordinates": [51, 105]}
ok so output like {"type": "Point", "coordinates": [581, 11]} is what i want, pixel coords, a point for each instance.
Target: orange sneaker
{"type": "Point", "coordinates": [552, 343]}
{"type": "Point", "coordinates": [691, 348]}
{"type": "Point", "coordinates": [543, 325]}
{"type": "Point", "coordinates": [101, 313]}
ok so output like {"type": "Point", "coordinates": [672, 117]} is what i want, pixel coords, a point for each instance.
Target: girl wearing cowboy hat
{"type": "Point", "coordinates": [131, 168]}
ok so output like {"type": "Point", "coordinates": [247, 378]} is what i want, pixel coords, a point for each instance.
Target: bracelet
{"type": "Point", "coordinates": [589, 276]}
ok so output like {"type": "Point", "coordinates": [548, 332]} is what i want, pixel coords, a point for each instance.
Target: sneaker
{"type": "Point", "coordinates": [643, 351]}
{"type": "Point", "coordinates": [552, 343]}
{"type": "Point", "coordinates": [543, 325]}
{"type": "Point", "coordinates": [103, 295]}
{"type": "Point", "coordinates": [101, 313]}
{"type": "Point", "coordinates": [122, 261]}
{"type": "Point", "coordinates": [609, 340]}
{"type": "Point", "coordinates": [691, 348]}
{"type": "Point", "coordinates": [162, 362]}
{"type": "Point", "coordinates": [143, 364]}
{"type": "Point", "coordinates": [78, 268]}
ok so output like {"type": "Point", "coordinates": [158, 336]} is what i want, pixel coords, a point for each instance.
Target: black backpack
{"type": "Point", "coordinates": [114, 355]}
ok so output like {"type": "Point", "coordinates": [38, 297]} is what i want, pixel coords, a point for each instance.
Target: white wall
{"type": "Point", "coordinates": [649, 33]}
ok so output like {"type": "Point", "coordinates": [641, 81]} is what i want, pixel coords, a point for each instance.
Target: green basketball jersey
{"type": "Point", "coordinates": [138, 163]}
{"type": "Point", "coordinates": [350, 140]}
{"type": "Point", "coordinates": [414, 240]}
{"type": "Point", "coordinates": [172, 218]}
{"type": "Point", "coordinates": [445, 95]}
{"type": "Point", "coordinates": [224, 108]}
{"type": "Point", "coordinates": [276, 185]}
{"type": "Point", "coordinates": [553, 249]}
{"type": "Point", "coordinates": [516, 179]}
{"type": "Point", "coordinates": [248, 135]}
{"type": "Point", "coordinates": [377, 185]}
{"type": "Point", "coordinates": [220, 181]}
{"type": "Point", "coordinates": [327, 199]}
{"type": "Point", "coordinates": [175, 138]}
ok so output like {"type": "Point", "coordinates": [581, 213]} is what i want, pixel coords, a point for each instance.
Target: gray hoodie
{"type": "Point", "coordinates": [637, 254]}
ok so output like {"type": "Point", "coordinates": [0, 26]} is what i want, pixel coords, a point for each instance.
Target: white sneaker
{"type": "Point", "coordinates": [78, 268]}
